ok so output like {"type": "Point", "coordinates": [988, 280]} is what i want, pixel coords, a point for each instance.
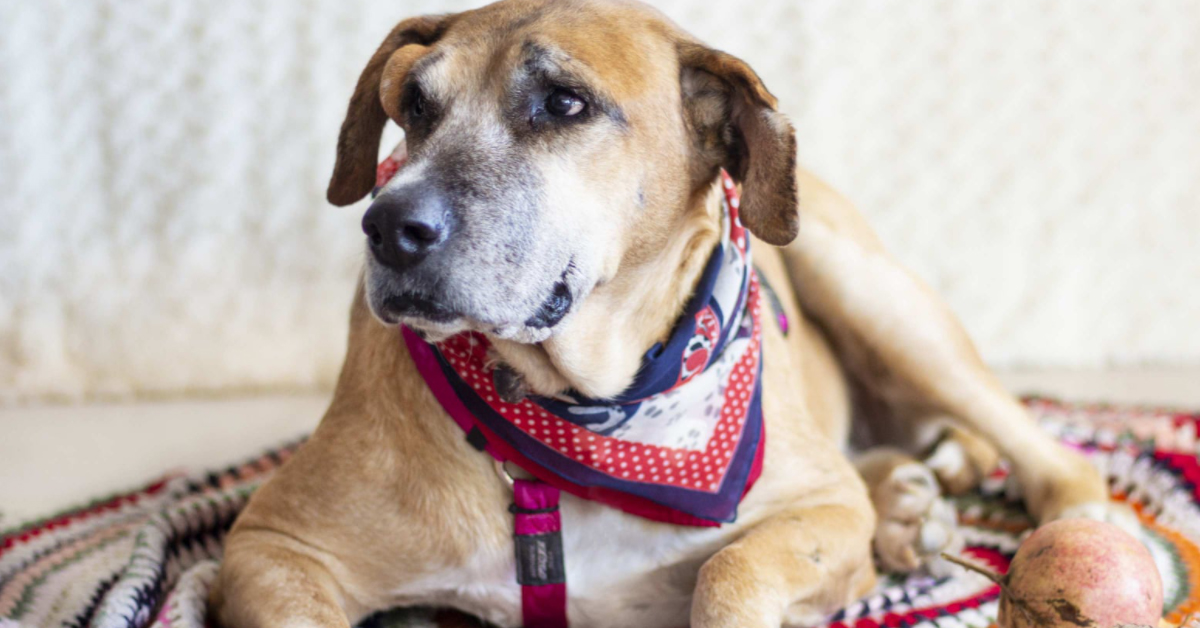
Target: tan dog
{"type": "Point", "coordinates": [561, 196]}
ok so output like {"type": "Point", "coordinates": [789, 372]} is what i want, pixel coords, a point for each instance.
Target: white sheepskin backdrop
{"type": "Point", "coordinates": [162, 166]}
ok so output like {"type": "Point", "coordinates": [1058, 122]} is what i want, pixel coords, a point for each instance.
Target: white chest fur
{"type": "Point", "coordinates": [621, 571]}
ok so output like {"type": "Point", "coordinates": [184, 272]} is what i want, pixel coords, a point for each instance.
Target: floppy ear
{"type": "Point", "coordinates": [726, 100]}
{"type": "Point", "coordinates": [358, 142]}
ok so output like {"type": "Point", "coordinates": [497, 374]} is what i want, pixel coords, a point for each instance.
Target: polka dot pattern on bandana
{"type": "Point", "coordinates": [698, 469]}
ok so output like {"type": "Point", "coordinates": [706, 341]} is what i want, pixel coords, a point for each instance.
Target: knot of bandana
{"type": "Point", "coordinates": [682, 444]}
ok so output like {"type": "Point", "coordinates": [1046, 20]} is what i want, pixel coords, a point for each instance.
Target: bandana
{"type": "Point", "coordinates": [682, 444]}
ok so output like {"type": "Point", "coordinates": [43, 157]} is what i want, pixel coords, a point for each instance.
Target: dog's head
{"type": "Point", "coordinates": [551, 144]}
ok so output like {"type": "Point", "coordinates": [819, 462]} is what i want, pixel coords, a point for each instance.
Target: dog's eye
{"type": "Point", "coordinates": [417, 104]}
{"type": "Point", "coordinates": [564, 104]}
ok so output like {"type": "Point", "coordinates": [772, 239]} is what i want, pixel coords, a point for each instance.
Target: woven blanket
{"type": "Point", "coordinates": [148, 558]}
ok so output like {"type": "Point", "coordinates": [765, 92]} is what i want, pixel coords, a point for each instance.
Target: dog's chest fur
{"type": "Point", "coordinates": [621, 571]}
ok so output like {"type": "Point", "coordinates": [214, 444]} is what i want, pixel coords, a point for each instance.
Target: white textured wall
{"type": "Point", "coordinates": [162, 166]}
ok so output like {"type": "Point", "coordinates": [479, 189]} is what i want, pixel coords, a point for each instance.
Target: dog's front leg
{"type": "Point", "coordinates": [268, 582]}
{"type": "Point", "coordinates": [796, 567]}
{"type": "Point", "coordinates": [906, 345]}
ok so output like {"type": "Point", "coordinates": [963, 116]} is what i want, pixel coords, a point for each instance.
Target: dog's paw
{"type": "Point", "coordinates": [1116, 513]}
{"type": "Point", "coordinates": [1067, 487]}
{"type": "Point", "coordinates": [915, 524]}
{"type": "Point", "coordinates": [961, 461]}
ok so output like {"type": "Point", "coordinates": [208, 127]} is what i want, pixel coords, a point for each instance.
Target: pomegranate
{"type": "Point", "coordinates": [1078, 573]}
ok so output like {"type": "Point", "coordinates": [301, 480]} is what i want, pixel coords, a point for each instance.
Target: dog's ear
{"type": "Point", "coordinates": [358, 142]}
{"type": "Point", "coordinates": [739, 128]}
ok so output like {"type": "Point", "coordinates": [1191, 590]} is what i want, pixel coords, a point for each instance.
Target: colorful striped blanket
{"type": "Point", "coordinates": [147, 558]}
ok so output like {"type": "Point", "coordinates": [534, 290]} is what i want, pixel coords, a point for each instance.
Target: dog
{"type": "Point", "coordinates": [561, 195]}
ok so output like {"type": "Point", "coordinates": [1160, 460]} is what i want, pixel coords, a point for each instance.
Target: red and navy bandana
{"type": "Point", "coordinates": [682, 444]}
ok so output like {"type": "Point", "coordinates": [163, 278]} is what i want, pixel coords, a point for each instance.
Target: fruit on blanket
{"type": "Point", "coordinates": [1078, 573]}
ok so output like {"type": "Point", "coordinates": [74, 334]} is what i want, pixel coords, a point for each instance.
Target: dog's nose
{"type": "Point", "coordinates": [405, 226]}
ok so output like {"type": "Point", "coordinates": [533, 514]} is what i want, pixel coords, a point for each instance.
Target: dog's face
{"type": "Point", "coordinates": [551, 143]}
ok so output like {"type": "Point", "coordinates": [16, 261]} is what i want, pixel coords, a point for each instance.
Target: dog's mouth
{"type": "Point", "coordinates": [555, 307]}
{"type": "Point", "coordinates": [435, 316]}
{"type": "Point", "coordinates": [412, 305]}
